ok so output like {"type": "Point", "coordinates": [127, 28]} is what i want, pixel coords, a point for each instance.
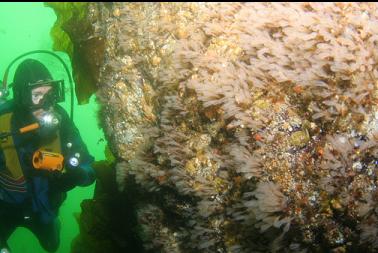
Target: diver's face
{"type": "Point", "coordinates": [37, 96]}
{"type": "Point", "coordinates": [39, 93]}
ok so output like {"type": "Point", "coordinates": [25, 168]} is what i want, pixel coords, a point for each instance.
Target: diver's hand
{"type": "Point", "coordinates": [83, 174]}
{"type": "Point", "coordinates": [54, 174]}
{"type": "Point", "coordinates": [63, 180]}
{"type": "Point", "coordinates": [76, 174]}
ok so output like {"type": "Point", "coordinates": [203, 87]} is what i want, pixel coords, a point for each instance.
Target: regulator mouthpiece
{"type": "Point", "coordinates": [50, 120]}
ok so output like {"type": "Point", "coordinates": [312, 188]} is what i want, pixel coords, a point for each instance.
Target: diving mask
{"type": "Point", "coordinates": [44, 94]}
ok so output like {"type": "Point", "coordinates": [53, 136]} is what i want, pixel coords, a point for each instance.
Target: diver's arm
{"type": "Point", "coordinates": [83, 174]}
{"type": "Point", "coordinates": [72, 177]}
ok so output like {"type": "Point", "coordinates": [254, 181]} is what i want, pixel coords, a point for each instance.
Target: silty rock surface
{"type": "Point", "coordinates": [253, 126]}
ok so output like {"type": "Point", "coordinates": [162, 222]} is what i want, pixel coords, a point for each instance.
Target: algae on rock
{"type": "Point", "coordinates": [246, 127]}
{"type": "Point", "coordinates": [75, 33]}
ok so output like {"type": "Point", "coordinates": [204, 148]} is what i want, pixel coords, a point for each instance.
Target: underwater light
{"type": "Point", "coordinates": [74, 161]}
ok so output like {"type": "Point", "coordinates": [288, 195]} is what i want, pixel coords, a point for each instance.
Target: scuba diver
{"type": "Point", "coordinates": [42, 156]}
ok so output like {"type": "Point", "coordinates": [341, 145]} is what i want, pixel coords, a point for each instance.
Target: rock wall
{"type": "Point", "coordinates": [247, 127]}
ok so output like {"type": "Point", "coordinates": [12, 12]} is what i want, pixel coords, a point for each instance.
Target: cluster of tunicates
{"type": "Point", "coordinates": [252, 126]}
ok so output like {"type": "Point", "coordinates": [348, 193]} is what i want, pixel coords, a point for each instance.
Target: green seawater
{"type": "Point", "coordinates": [25, 27]}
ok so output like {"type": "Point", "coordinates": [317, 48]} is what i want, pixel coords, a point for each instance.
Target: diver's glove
{"type": "Point", "coordinates": [82, 175]}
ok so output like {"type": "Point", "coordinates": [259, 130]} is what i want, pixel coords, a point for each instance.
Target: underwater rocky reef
{"type": "Point", "coordinates": [234, 127]}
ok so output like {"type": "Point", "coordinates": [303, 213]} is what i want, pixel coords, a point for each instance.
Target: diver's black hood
{"type": "Point", "coordinates": [29, 71]}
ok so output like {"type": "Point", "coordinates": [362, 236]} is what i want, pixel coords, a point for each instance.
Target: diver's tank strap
{"type": "Point", "coordinates": [12, 161]}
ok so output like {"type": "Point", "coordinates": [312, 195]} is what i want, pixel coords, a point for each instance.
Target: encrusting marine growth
{"type": "Point", "coordinates": [254, 125]}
